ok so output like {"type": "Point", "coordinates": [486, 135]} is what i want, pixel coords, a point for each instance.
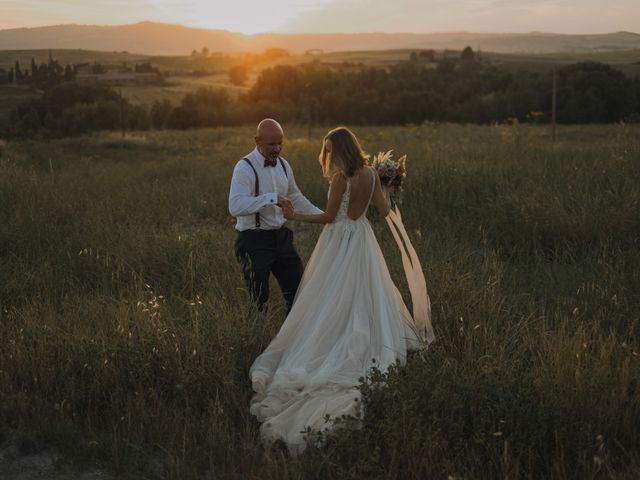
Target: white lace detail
{"type": "Point", "coordinates": [344, 203]}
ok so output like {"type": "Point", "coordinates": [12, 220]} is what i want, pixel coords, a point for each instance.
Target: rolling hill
{"type": "Point", "coordinates": [164, 39]}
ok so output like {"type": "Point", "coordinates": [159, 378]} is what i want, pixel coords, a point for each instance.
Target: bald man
{"type": "Point", "coordinates": [262, 182]}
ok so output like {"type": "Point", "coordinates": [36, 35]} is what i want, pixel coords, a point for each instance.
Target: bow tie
{"type": "Point", "coordinates": [270, 163]}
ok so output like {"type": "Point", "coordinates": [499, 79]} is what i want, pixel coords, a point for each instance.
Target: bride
{"type": "Point", "coordinates": [347, 317]}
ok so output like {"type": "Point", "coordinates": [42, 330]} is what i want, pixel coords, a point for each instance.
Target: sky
{"type": "Point", "coordinates": [336, 16]}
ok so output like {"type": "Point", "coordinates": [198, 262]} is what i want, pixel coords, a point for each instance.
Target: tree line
{"type": "Point", "coordinates": [41, 75]}
{"type": "Point", "coordinates": [410, 92]}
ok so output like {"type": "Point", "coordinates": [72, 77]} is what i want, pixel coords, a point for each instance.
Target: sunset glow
{"type": "Point", "coordinates": [332, 16]}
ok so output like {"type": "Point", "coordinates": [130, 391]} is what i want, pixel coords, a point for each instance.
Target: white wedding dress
{"type": "Point", "coordinates": [348, 316]}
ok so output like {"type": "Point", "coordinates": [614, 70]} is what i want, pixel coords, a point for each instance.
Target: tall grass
{"type": "Point", "coordinates": [127, 332]}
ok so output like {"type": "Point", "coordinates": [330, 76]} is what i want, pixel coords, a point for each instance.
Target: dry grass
{"type": "Point", "coordinates": [127, 333]}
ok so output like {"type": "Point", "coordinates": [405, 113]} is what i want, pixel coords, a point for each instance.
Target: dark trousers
{"type": "Point", "coordinates": [262, 252]}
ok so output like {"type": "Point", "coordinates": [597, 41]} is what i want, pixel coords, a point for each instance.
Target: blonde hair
{"type": "Point", "coordinates": [346, 155]}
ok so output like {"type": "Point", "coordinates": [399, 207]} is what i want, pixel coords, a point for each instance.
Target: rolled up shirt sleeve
{"type": "Point", "coordinates": [300, 202]}
{"type": "Point", "coordinates": [242, 199]}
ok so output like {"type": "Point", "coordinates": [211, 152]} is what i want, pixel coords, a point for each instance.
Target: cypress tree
{"type": "Point", "coordinates": [18, 72]}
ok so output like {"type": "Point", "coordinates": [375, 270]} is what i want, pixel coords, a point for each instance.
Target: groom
{"type": "Point", "coordinates": [262, 182]}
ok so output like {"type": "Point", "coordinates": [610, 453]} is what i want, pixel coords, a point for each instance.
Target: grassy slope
{"type": "Point", "coordinates": [128, 334]}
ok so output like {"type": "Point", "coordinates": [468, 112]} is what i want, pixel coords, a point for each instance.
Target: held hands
{"type": "Point", "coordinates": [284, 202]}
{"type": "Point", "coordinates": [287, 207]}
{"type": "Point", "coordinates": [288, 212]}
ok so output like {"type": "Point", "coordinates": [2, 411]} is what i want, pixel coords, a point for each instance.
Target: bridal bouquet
{"type": "Point", "coordinates": [391, 172]}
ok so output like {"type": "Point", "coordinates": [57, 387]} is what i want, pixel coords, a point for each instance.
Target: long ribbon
{"type": "Point", "coordinates": [415, 276]}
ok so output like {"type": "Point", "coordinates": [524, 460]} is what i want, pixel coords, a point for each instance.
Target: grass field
{"type": "Point", "coordinates": [127, 332]}
{"type": "Point", "coordinates": [627, 61]}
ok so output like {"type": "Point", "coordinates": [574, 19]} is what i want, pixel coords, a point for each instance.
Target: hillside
{"type": "Point", "coordinates": [163, 39]}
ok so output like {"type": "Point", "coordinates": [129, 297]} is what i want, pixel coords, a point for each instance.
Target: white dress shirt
{"type": "Point", "coordinates": [243, 203]}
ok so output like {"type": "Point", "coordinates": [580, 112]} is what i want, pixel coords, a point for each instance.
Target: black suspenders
{"type": "Point", "coordinates": [257, 184]}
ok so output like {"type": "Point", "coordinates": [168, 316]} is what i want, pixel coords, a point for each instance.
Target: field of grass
{"type": "Point", "coordinates": [127, 333]}
{"type": "Point", "coordinates": [627, 61]}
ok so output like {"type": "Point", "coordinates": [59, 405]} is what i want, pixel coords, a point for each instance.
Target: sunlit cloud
{"type": "Point", "coordinates": [250, 16]}
{"type": "Point", "coordinates": [329, 16]}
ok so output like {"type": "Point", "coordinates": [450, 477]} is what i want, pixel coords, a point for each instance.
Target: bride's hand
{"type": "Point", "coordinates": [388, 192]}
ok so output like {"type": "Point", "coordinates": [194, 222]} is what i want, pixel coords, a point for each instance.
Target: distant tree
{"type": "Point", "coordinates": [68, 73]}
{"type": "Point", "coordinates": [430, 55]}
{"type": "Point", "coordinates": [97, 68]}
{"type": "Point", "coordinates": [467, 54]}
{"type": "Point", "coordinates": [34, 68]}
{"type": "Point", "coordinates": [276, 52]}
{"type": "Point", "coordinates": [593, 92]}
{"type": "Point", "coordinates": [43, 71]}
{"type": "Point", "coordinates": [194, 53]}
{"type": "Point", "coordinates": [31, 121]}
{"type": "Point", "coordinates": [413, 56]}
{"type": "Point", "coordinates": [205, 51]}
{"type": "Point", "coordinates": [446, 66]}
{"type": "Point", "coordinates": [10, 76]}
{"type": "Point", "coordinates": [160, 113]}
{"type": "Point", "coordinates": [238, 74]}
{"type": "Point", "coordinates": [145, 68]}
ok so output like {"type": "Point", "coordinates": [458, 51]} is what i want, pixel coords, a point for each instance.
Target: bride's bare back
{"type": "Point", "coordinates": [361, 184]}
{"type": "Point", "coordinates": [361, 190]}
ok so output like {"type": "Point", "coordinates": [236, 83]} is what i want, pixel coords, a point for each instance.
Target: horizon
{"type": "Point", "coordinates": [371, 32]}
{"type": "Point", "coordinates": [337, 16]}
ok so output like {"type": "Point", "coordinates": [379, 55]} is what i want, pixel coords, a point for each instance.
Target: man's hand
{"type": "Point", "coordinates": [284, 203]}
{"type": "Point", "coordinates": [288, 212]}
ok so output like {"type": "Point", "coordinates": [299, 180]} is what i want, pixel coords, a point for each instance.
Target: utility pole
{"type": "Point", "coordinates": [554, 91]}
{"type": "Point", "coordinates": [121, 112]}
